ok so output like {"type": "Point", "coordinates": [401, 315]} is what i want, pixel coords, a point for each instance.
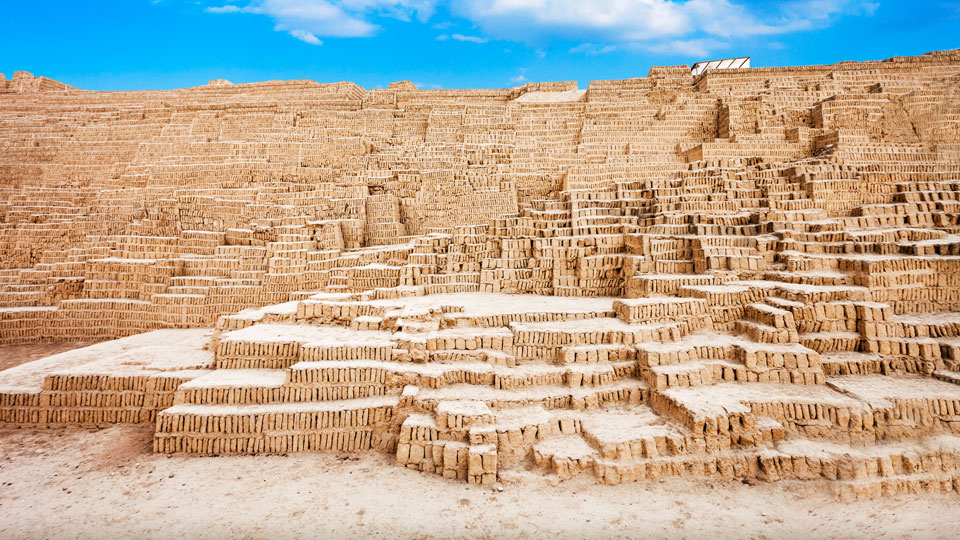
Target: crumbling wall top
{"type": "Point", "coordinates": [402, 85]}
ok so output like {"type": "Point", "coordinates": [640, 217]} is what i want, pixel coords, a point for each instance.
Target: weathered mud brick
{"type": "Point", "coordinates": [735, 273]}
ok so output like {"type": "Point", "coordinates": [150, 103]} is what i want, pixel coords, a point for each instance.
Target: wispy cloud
{"type": "Point", "coordinates": [592, 49]}
{"type": "Point", "coordinates": [223, 9]}
{"type": "Point", "coordinates": [677, 27]}
{"type": "Point", "coordinates": [461, 37]}
{"type": "Point", "coordinates": [685, 27]}
{"type": "Point", "coordinates": [305, 36]}
{"type": "Point", "coordinates": [470, 39]}
{"type": "Point", "coordinates": [331, 18]}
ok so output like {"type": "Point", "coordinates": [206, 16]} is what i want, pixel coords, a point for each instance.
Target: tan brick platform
{"type": "Point", "coordinates": [751, 274]}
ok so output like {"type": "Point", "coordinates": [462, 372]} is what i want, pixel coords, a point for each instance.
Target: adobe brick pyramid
{"type": "Point", "coordinates": [750, 274]}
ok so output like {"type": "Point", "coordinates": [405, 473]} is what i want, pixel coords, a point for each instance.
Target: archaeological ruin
{"type": "Point", "coordinates": [746, 274]}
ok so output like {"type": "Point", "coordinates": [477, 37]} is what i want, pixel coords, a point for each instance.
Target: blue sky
{"type": "Point", "coordinates": [163, 44]}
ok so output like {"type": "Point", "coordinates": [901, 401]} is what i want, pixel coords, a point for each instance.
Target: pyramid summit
{"type": "Point", "coordinates": [749, 273]}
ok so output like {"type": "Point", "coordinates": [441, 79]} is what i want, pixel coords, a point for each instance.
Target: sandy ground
{"type": "Point", "coordinates": [107, 484]}
{"type": "Point", "coordinates": [14, 355]}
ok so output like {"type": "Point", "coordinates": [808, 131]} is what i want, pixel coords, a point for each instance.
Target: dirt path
{"type": "Point", "coordinates": [107, 484]}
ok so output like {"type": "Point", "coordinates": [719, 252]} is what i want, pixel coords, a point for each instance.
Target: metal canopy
{"type": "Point", "coordinates": [728, 63]}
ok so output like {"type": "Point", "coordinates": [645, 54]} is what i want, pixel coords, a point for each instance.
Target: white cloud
{"type": "Point", "coordinates": [222, 9]}
{"type": "Point", "coordinates": [314, 16]}
{"type": "Point", "coordinates": [681, 27]}
{"type": "Point", "coordinates": [305, 36]}
{"type": "Point", "coordinates": [530, 20]}
{"type": "Point", "coordinates": [397, 9]}
{"type": "Point", "coordinates": [470, 39]}
{"type": "Point", "coordinates": [519, 77]}
{"type": "Point", "coordinates": [332, 18]}
{"type": "Point", "coordinates": [685, 27]}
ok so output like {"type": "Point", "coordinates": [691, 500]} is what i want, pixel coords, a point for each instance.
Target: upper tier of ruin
{"type": "Point", "coordinates": [126, 211]}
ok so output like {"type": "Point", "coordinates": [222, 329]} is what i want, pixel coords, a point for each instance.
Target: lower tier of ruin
{"type": "Point", "coordinates": [808, 382]}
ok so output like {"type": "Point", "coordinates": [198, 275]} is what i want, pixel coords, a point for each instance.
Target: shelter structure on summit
{"type": "Point", "coordinates": [730, 273]}
{"type": "Point", "coordinates": [728, 63]}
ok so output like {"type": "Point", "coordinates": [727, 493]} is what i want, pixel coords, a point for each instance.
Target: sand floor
{"type": "Point", "coordinates": [14, 355]}
{"type": "Point", "coordinates": [75, 483]}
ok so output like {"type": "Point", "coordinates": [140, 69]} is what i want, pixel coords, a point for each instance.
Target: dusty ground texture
{"type": "Point", "coordinates": [14, 355]}
{"type": "Point", "coordinates": [107, 484]}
